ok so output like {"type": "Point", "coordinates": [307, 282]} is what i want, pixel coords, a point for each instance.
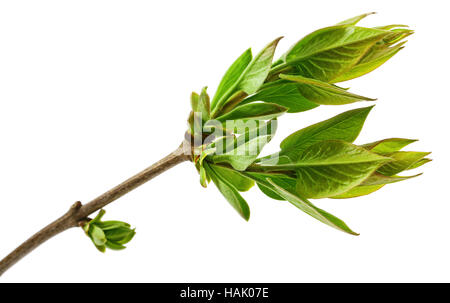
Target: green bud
{"type": "Point", "coordinates": [108, 234]}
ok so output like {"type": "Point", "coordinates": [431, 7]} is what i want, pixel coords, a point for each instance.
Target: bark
{"type": "Point", "coordinates": [78, 213]}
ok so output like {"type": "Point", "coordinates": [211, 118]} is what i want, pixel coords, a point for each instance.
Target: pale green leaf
{"type": "Point", "coordinates": [107, 225]}
{"type": "Point", "coordinates": [230, 193]}
{"type": "Point", "coordinates": [232, 75]}
{"type": "Point", "coordinates": [114, 246]}
{"type": "Point", "coordinates": [244, 154]}
{"type": "Point", "coordinates": [358, 191]}
{"type": "Point", "coordinates": [401, 161]}
{"type": "Point", "coordinates": [283, 180]}
{"type": "Point", "coordinates": [238, 180]}
{"type": "Point", "coordinates": [377, 55]}
{"type": "Point", "coordinates": [373, 183]}
{"type": "Point", "coordinates": [419, 163]}
{"type": "Point", "coordinates": [256, 72]}
{"type": "Point", "coordinates": [345, 126]}
{"type": "Point", "coordinates": [203, 105]}
{"type": "Point", "coordinates": [331, 168]}
{"type": "Point", "coordinates": [260, 111]}
{"type": "Point", "coordinates": [309, 208]}
{"type": "Point", "coordinates": [388, 145]}
{"type": "Point", "coordinates": [323, 93]}
{"type": "Point", "coordinates": [284, 94]}
{"type": "Point", "coordinates": [329, 52]}
{"type": "Point", "coordinates": [97, 235]}
{"type": "Point", "coordinates": [377, 179]}
{"type": "Point", "coordinates": [203, 176]}
{"type": "Point", "coordinates": [251, 79]}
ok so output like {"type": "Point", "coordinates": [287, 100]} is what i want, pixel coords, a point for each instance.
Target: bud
{"type": "Point", "coordinates": [108, 234]}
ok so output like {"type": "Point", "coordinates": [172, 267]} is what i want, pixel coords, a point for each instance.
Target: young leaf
{"type": "Point", "coordinates": [229, 192]}
{"type": "Point", "coordinates": [331, 168]}
{"type": "Point", "coordinates": [377, 55]}
{"type": "Point", "coordinates": [238, 180]}
{"type": "Point", "coordinates": [388, 145]}
{"type": "Point", "coordinates": [257, 71]}
{"type": "Point", "coordinates": [203, 176]}
{"type": "Point", "coordinates": [358, 191]}
{"type": "Point", "coordinates": [401, 161]}
{"type": "Point", "coordinates": [260, 111]}
{"type": "Point", "coordinates": [377, 179]}
{"type": "Point", "coordinates": [323, 93]}
{"type": "Point", "coordinates": [252, 77]}
{"type": "Point", "coordinates": [107, 225]}
{"type": "Point", "coordinates": [329, 52]}
{"type": "Point", "coordinates": [97, 235]}
{"type": "Point", "coordinates": [419, 163]}
{"type": "Point", "coordinates": [284, 94]}
{"type": "Point", "coordinates": [282, 180]}
{"type": "Point", "coordinates": [200, 104]}
{"type": "Point", "coordinates": [114, 246]}
{"type": "Point", "coordinates": [244, 154]}
{"type": "Point", "coordinates": [345, 127]}
{"type": "Point", "coordinates": [232, 75]}
{"type": "Point", "coordinates": [307, 207]}
{"type": "Point", "coordinates": [373, 183]}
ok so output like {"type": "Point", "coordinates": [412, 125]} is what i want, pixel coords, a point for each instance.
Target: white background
{"type": "Point", "coordinates": [92, 92]}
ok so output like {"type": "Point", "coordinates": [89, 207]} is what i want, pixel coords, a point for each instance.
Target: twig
{"type": "Point", "coordinates": [78, 213]}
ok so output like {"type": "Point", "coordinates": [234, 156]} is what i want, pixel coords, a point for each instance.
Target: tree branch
{"type": "Point", "coordinates": [78, 213]}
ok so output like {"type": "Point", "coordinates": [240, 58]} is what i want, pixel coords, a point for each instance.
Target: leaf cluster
{"type": "Point", "coordinates": [319, 161]}
{"type": "Point", "coordinates": [108, 234]}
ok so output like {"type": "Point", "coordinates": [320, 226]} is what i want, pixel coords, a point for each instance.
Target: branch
{"type": "Point", "coordinates": [78, 213]}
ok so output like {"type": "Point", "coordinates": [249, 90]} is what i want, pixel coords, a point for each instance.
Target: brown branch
{"type": "Point", "coordinates": [78, 213]}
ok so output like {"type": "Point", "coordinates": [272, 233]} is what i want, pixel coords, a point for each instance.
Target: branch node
{"type": "Point", "coordinates": [75, 207]}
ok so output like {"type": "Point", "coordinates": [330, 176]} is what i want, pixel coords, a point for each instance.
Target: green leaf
{"type": "Point", "coordinates": [284, 94]}
{"type": "Point", "coordinates": [355, 20]}
{"type": "Point", "coordinates": [119, 234]}
{"type": "Point", "coordinates": [238, 180]}
{"type": "Point", "coordinates": [378, 179]}
{"type": "Point", "coordinates": [200, 104]}
{"type": "Point", "coordinates": [401, 161]}
{"type": "Point", "coordinates": [378, 54]}
{"type": "Point", "coordinates": [260, 111]}
{"type": "Point", "coordinates": [323, 93]}
{"type": "Point", "coordinates": [251, 78]}
{"type": "Point", "coordinates": [358, 191]}
{"type": "Point", "coordinates": [243, 150]}
{"type": "Point", "coordinates": [388, 145]}
{"type": "Point", "coordinates": [128, 237]}
{"type": "Point", "coordinates": [309, 208]}
{"type": "Point", "coordinates": [419, 163]}
{"type": "Point", "coordinates": [256, 72]}
{"type": "Point", "coordinates": [114, 246]}
{"type": "Point", "coordinates": [369, 65]}
{"type": "Point", "coordinates": [229, 192]}
{"type": "Point", "coordinates": [280, 179]}
{"type": "Point", "coordinates": [252, 127]}
{"type": "Point", "coordinates": [345, 127]}
{"type": "Point", "coordinates": [97, 235]}
{"type": "Point", "coordinates": [203, 176]}
{"type": "Point", "coordinates": [107, 225]}
{"type": "Point", "coordinates": [331, 168]}
{"type": "Point", "coordinates": [244, 154]}
{"type": "Point", "coordinates": [232, 75]}
{"type": "Point", "coordinates": [373, 183]}
{"type": "Point", "coordinates": [101, 248]}
{"type": "Point", "coordinates": [329, 52]}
